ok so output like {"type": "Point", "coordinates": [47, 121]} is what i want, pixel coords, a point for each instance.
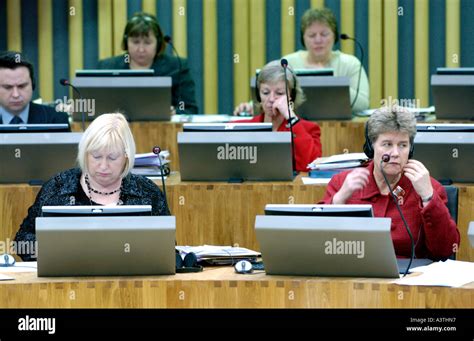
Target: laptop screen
{"type": "Point", "coordinates": [139, 97]}
{"type": "Point", "coordinates": [235, 156]}
{"type": "Point", "coordinates": [34, 128]}
{"type": "Point", "coordinates": [320, 210]}
{"type": "Point", "coordinates": [452, 95]}
{"type": "Point", "coordinates": [35, 157]}
{"type": "Point", "coordinates": [96, 211]}
{"type": "Point", "coordinates": [227, 127]}
{"type": "Point", "coordinates": [326, 246]}
{"type": "Point", "coordinates": [447, 151]}
{"type": "Point", "coordinates": [106, 245]}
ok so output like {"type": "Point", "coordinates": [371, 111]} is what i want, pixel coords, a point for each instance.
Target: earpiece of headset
{"type": "Point", "coordinates": [369, 150]}
{"type": "Point", "coordinates": [292, 93]}
{"type": "Point", "coordinates": [188, 264]}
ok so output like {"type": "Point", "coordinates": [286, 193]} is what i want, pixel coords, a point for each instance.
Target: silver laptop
{"type": "Point", "coordinates": [35, 128]}
{"type": "Point", "coordinates": [36, 157]}
{"type": "Point", "coordinates": [138, 98]}
{"type": "Point", "coordinates": [447, 151]}
{"type": "Point", "coordinates": [327, 246]}
{"type": "Point", "coordinates": [452, 94]}
{"type": "Point", "coordinates": [327, 98]}
{"type": "Point", "coordinates": [235, 156]}
{"type": "Point", "coordinates": [470, 233]}
{"type": "Point", "coordinates": [88, 245]}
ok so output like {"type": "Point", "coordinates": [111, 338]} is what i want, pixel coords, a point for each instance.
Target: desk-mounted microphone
{"type": "Point", "coordinates": [66, 82]}
{"type": "Point", "coordinates": [386, 158]}
{"type": "Point", "coordinates": [169, 41]}
{"type": "Point", "coordinates": [284, 64]}
{"type": "Point", "coordinates": [157, 150]}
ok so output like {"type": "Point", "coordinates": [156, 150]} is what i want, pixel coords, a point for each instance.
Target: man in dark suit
{"type": "Point", "coordinates": [17, 82]}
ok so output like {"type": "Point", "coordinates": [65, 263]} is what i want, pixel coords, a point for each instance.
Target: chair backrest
{"type": "Point", "coordinates": [452, 193]}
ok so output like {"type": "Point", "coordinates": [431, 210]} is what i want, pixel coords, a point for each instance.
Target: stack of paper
{"type": "Point", "coordinates": [339, 162]}
{"type": "Point", "coordinates": [219, 254]}
{"type": "Point", "coordinates": [449, 273]}
{"type": "Point", "coordinates": [148, 164]}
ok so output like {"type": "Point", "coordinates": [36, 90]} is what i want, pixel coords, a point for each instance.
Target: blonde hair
{"type": "Point", "coordinates": [273, 73]}
{"type": "Point", "coordinates": [107, 132]}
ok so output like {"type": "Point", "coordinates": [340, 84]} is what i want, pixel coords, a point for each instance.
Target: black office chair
{"type": "Point", "coordinates": [452, 193]}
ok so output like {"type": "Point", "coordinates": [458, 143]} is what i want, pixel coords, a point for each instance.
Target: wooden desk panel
{"type": "Point", "coordinates": [222, 288]}
{"type": "Point", "coordinates": [220, 213]}
{"type": "Point", "coordinates": [336, 137]}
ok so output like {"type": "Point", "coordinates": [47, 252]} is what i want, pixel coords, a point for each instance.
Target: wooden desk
{"type": "Point", "coordinates": [220, 213]}
{"type": "Point", "coordinates": [336, 137]}
{"type": "Point", "coordinates": [222, 288]}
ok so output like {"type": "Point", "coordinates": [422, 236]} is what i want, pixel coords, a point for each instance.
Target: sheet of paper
{"type": "Point", "coordinates": [315, 181]}
{"type": "Point", "coordinates": [449, 273]}
{"type": "Point", "coordinates": [204, 251]}
{"type": "Point", "coordinates": [20, 267]}
{"type": "Point", "coordinates": [5, 277]}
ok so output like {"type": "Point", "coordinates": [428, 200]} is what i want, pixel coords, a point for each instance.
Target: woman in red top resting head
{"type": "Point", "coordinates": [390, 134]}
{"type": "Point", "coordinates": [272, 107]}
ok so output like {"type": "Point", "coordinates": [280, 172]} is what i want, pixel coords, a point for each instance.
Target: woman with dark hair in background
{"type": "Point", "coordinates": [145, 44]}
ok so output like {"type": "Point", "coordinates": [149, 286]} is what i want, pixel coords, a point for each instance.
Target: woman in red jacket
{"type": "Point", "coordinates": [272, 107]}
{"type": "Point", "coordinates": [390, 133]}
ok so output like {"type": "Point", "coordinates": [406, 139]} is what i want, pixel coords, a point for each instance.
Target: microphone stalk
{"type": "Point", "coordinates": [156, 151]}
{"type": "Point", "coordinates": [346, 37]}
{"type": "Point", "coordinates": [284, 64]}
{"type": "Point", "coordinates": [386, 158]}
{"type": "Point", "coordinates": [65, 82]}
{"type": "Point", "coordinates": [168, 40]}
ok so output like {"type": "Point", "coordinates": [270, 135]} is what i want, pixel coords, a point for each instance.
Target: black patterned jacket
{"type": "Point", "coordinates": [64, 190]}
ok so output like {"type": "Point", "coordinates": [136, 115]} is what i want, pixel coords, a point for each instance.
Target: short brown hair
{"type": "Point", "coordinates": [391, 119]}
{"type": "Point", "coordinates": [323, 15]}
{"type": "Point", "coordinates": [139, 26]}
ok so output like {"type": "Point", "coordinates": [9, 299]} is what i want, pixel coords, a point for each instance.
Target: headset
{"type": "Point", "coordinates": [369, 150]}
{"type": "Point", "coordinates": [144, 18]}
{"type": "Point", "coordinates": [188, 264]}
{"type": "Point", "coordinates": [292, 93]}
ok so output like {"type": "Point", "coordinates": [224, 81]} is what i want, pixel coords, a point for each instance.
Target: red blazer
{"type": "Point", "coordinates": [306, 139]}
{"type": "Point", "coordinates": [432, 227]}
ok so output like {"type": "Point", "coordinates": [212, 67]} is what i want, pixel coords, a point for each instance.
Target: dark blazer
{"type": "Point", "coordinates": [64, 190]}
{"type": "Point", "coordinates": [41, 114]}
{"type": "Point", "coordinates": [182, 82]}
